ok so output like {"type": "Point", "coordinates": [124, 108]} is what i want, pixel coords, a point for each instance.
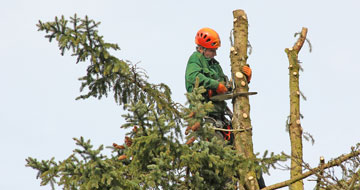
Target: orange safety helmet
{"type": "Point", "coordinates": [207, 38]}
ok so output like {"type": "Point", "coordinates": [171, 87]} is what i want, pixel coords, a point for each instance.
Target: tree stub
{"type": "Point", "coordinates": [239, 75]}
{"type": "Point", "coordinates": [243, 83]}
{"type": "Point", "coordinates": [244, 115]}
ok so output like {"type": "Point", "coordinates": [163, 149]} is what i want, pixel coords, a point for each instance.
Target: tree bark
{"type": "Point", "coordinates": [321, 174]}
{"type": "Point", "coordinates": [319, 169]}
{"type": "Point", "coordinates": [295, 129]}
{"type": "Point", "coordinates": [241, 117]}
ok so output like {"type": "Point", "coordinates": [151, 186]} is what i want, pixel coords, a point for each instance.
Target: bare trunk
{"type": "Point", "coordinates": [295, 129]}
{"type": "Point", "coordinates": [241, 106]}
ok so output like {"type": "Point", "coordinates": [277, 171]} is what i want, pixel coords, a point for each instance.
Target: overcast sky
{"type": "Point", "coordinates": [39, 115]}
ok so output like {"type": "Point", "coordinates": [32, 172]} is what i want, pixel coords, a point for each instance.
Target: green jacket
{"type": "Point", "coordinates": [210, 74]}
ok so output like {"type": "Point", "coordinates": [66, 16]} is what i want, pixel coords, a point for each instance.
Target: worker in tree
{"type": "Point", "coordinates": [202, 65]}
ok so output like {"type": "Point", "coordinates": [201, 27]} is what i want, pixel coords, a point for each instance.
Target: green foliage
{"type": "Point", "coordinates": [105, 72]}
{"type": "Point", "coordinates": [153, 155]}
{"type": "Point", "coordinates": [200, 110]}
{"type": "Point", "coordinates": [92, 171]}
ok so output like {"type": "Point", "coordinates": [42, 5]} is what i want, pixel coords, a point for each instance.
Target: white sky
{"type": "Point", "coordinates": [39, 114]}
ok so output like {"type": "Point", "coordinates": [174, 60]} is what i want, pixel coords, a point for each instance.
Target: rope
{"type": "Point", "coordinates": [232, 130]}
{"type": "Point", "coordinates": [231, 40]}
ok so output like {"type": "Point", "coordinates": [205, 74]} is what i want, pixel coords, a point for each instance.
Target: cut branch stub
{"type": "Point", "coordinates": [245, 115]}
{"type": "Point", "coordinates": [243, 83]}
{"type": "Point", "coordinates": [239, 75]}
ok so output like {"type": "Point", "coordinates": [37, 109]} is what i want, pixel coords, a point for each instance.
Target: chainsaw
{"type": "Point", "coordinates": [230, 94]}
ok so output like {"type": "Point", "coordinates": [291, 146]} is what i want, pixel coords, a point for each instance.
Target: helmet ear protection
{"type": "Point", "coordinates": [207, 38]}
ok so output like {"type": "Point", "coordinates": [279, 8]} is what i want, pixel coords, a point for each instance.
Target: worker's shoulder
{"type": "Point", "coordinates": [195, 57]}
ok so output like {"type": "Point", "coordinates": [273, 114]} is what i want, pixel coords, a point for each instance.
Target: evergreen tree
{"type": "Point", "coordinates": [155, 154]}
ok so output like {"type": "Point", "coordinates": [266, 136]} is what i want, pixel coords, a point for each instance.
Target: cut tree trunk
{"type": "Point", "coordinates": [241, 117]}
{"type": "Point", "coordinates": [295, 129]}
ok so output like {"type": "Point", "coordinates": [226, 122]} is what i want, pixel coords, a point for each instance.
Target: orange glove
{"type": "Point", "coordinates": [221, 89]}
{"type": "Point", "coordinates": [247, 71]}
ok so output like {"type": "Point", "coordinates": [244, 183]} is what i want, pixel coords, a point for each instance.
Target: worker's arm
{"type": "Point", "coordinates": [194, 70]}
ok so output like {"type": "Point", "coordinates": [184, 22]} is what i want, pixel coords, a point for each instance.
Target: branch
{"type": "Point", "coordinates": [298, 45]}
{"type": "Point", "coordinates": [322, 162]}
{"type": "Point", "coordinates": [330, 164]}
{"type": "Point", "coordinates": [353, 180]}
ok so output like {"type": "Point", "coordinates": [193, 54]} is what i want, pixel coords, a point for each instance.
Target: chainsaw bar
{"type": "Point", "coordinates": [222, 97]}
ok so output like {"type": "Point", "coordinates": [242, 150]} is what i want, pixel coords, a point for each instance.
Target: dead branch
{"type": "Point", "coordinates": [330, 164]}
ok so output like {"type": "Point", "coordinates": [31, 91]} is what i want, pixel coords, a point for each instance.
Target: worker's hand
{"type": "Point", "coordinates": [221, 89]}
{"type": "Point", "coordinates": [247, 71]}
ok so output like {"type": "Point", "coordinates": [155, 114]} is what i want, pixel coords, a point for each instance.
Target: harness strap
{"type": "Point", "coordinates": [227, 135]}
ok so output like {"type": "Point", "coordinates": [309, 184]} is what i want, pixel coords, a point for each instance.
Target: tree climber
{"type": "Point", "coordinates": [202, 64]}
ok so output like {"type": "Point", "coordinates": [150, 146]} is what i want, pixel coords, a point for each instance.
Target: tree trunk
{"type": "Point", "coordinates": [241, 106]}
{"type": "Point", "coordinates": [295, 129]}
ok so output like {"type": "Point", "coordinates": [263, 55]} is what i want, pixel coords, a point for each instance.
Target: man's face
{"type": "Point", "coordinates": [210, 53]}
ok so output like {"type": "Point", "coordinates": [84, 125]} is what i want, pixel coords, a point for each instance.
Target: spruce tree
{"type": "Point", "coordinates": [155, 154]}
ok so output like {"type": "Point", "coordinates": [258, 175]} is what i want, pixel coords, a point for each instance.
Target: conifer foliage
{"type": "Point", "coordinates": [154, 153]}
